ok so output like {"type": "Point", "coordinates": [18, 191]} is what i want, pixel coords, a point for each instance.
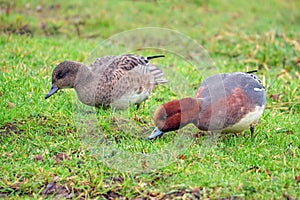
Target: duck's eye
{"type": "Point", "coordinates": [60, 75]}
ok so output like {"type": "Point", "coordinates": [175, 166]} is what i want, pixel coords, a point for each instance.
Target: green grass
{"type": "Point", "coordinates": [42, 140]}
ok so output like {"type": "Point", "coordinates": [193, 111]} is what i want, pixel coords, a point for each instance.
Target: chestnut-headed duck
{"type": "Point", "coordinates": [229, 102]}
{"type": "Point", "coordinates": [117, 81]}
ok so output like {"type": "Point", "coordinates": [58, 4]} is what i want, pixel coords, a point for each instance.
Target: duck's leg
{"type": "Point", "coordinates": [251, 130]}
{"type": "Point", "coordinates": [211, 133]}
{"type": "Point", "coordinates": [141, 104]}
{"type": "Point", "coordinates": [138, 105]}
{"type": "Point", "coordinates": [135, 114]}
{"type": "Point", "coordinates": [214, 135]}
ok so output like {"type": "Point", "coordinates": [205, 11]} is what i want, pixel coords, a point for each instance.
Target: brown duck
{"type": "Point", "coordinates": [229, 102]}
{"type": "Point", "coordinates": [117, 81]}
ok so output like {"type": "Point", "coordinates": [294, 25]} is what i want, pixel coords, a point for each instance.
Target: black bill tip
{"type": "Point", "coordinates": [155, 134]}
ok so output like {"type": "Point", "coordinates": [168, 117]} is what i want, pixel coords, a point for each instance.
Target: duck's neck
{"type": "Point", "coordinates": [190, 108]}
{"type": "Point", "coordinates": [84, 76]}
{"type": "Point", "coordinates": [85, 85]}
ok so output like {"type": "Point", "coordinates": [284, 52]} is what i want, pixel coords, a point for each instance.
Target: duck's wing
{"type": "Point", "coordinates": [100, 64]}
{"type": "Point", "coordinates": [131, 79]}
{"type": "Point", "coordinates": [219, 85]}
{"type": "Point", "coordinates": [119, 66]}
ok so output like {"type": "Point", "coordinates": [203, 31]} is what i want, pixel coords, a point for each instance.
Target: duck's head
{"type": "Point", "coordinates": [63, 76]}
{"type": "Point", "coordinates": [174, 115]}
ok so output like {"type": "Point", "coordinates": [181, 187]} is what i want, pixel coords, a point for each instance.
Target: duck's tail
{"type": "Point", "coordinates": [156, 72]}
{"type": "Point", "coordinates": [153, 57]}
{"type": "Point", "coordinates": [158, 75]}
{"type": "Point", "coordinates": [252, 71]}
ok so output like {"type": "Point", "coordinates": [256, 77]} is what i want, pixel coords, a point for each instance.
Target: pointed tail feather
{"type": "Point", "coordinates": [252, 71]}
{"type": "Point", "coordinates": [153, 57]}
{"type": "Point", "coordinates": [158, 75]}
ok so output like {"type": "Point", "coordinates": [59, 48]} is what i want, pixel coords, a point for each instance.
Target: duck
{"type": "Point", "coordinates": [110, 81]}
{"type": "Point", "coordinates": [224, 103]}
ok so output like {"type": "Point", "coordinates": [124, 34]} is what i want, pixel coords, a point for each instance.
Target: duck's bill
{"type": "Point", "coordinates": [156, 133]}
{"type": "Point", "coordinates": [52, 91]}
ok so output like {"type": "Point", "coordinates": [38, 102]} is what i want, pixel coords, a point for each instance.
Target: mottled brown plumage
{"type": "Point", "coordinates": [117, 81]}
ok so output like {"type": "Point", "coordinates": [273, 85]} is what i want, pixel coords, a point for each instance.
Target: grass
{"type": "Point", "coordinates": [45, 155]}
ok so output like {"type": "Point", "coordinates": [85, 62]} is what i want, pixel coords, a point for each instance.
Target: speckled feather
{"type": "Point", "coordinates": [110, 80]}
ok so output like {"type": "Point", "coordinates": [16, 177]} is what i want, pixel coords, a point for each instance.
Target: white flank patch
{"type": "Point", "coordinates": [128, 99]}
{"type": "Point", "coordinates": [246, 121]}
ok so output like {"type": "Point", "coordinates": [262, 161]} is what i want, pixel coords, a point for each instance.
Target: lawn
{"type": "Point", "coordinates": [60, 148]}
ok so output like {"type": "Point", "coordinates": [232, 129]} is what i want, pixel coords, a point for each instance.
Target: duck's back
{"type": "Point", "coordinates": [125, 79]}
{"type": "Point", "coordinates": [100, 64]}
